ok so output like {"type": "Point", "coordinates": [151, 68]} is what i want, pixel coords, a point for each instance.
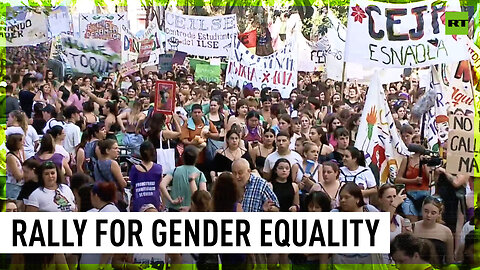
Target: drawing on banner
{"type": "Point", "coordinates": [200, 35]}
{"type": "Point", "coordinates": [277, 71]}
{"type": "Point", "coordinates": [462, 152]}
{"type": "Point", "coordinates": [146, 47]}
{"type": "Point", "coordinates": [401, 35]}
{"type": "Point", "coordinates": [165, 97]}
{"type": "Point", "coordinates": [130, 45]}
{"type": "Point", "coordinates": [27, 28]}
{"type": "Point", "coordinates": [88, 56]}
{"type": "Point", "coordinates": [106, 27]}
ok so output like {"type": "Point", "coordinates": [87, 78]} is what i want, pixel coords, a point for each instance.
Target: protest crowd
{"type": "Point", "coordinates": [166, 139]}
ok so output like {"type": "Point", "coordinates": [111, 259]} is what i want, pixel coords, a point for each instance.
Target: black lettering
{"type": "Point", "coordinates": [37, 229]}
{"type": "Point", "coordinates": [122, 232]}
{"type": "Point", "coordinates": [265, 233]}
{"type": "Point", "coordinates": [191, 232]}
{"type": "Point", "coordinates": [65, 242]}
{"type": "Point", "coordinates": [356, 233]}
{"type": "Point", "coordinates": [226, 232]}
{"type": "Point", "coordinates": [99, 231]}
{"type": "Point", "coordinates": [282, 242]}
{"type": "Point", "coordinates": [50, 241]}
{"type": "Point", "coordinates": [243, 233]}
{"type": "Point", "coordinates": [317, 234]}
{"type": "Point", "coordinates": [418, 11]}
{"type": "Point", "coordinates": [330, 235]}
{"type": "Point", "coordinates": [371, 23]}
{"type": "Point", "coordinates": [173, 232]}
{"type": "Point", "coordinates": [80, 230]}
{"type": "Point", "coordinates": [372, 230]}
{"type": "Point", "coordinates": [163, 235]}
{"type": "Point", "coordinates": [452, 23]}
{"type": "Point", "coordinates": [435, 11]}
{"type": "Point", "coordinates": [206, 231]}
{"type": "Point", "coordinates": [302, 232]}
{"type": "Point", "coordinates": [344, 233]}
{"type": "Point", "coordinates": [19, 232]}
{"type": "Point", "coordinates": [134, 232]}
{"type": "Point", "coordinates": [390, 13]}
{"type": "Point", "coordinates": [371, 51]}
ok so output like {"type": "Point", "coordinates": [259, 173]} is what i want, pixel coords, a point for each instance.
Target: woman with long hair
{"type": "Point", "coordinates": [412, 253]}
{"type": "Point", "coordinates": [240, 116]}
{"type": "Point", "coordinates": [111, 124]}
{"type": "Point", "coordinates": [431, 227]}
{"type": "Point", "coordinates": [232, 151]}
{"type": "Point", "coordinates": [260, 152]}
{"type": "Point", "coordinates": [106, 168]}
{"type": "Point", "coordinates": [306, 124]}
{"type": "Point", "coordinates": [216, 116]}
{"type": "Point", "coordinates": [14, 161]}
{"type": "Point", "coordinates": [309, 172]}
{"type": "Point", "coordinates": [95, 133]}
{"type": "Point", "coordinates": [17, 122]}
{"type": "Point", "coordinates": [76, 98]}
{"type": "Point", "coordinates": [287, 193]}
{"type": "Point", "coordinates": [354, 170]}
{"type": "Point", "coordinates": [253, 129]}
{"type": "Point", "coordinates": [333, 122]}
{"type": "Point", "coordinates": [46, 95]}
{"type": "Point", "coordinates": [133, 123]}
{"type": "Point", "coordinates": [389, 200]}
{"type": "Point", "coordinates": [89, 112]}
{"type": "Point", "coordinates": [330, 183]}
{"type": "Point", "coordinates": [160, 131]}
{"type": "Point", "coordinates": [318, 136]}
{"type": "Point", "coordinates": [46, 152]}
{"type": "Point", "coordinates": [51, 195]}
{"type": "Point", "coordinates": [58, 134]}
{"type": "Point", "coordinates": [146, 175]}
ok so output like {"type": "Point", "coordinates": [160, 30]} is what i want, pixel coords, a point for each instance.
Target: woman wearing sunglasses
{"type": "Point", "coordinates": [51, 195]}
{"type": "Point", "coordinates": [432, 228]}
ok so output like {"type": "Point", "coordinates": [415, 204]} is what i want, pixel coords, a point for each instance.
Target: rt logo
{"type": "Point", "coordinates": [456, 23]}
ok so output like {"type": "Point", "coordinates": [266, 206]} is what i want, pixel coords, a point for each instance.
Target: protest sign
{"type": "Point", "coordinates": [278, 70]}
{"type": "Point", "coordinates": [154, 34]}
{"type": "Point", "coordinates": [130, 45]}
{"type": "Point", "coordinates": [401, 35]}
{"type": "Point", "coordinates": [200, 35]}
{"type": "Point", "coordinates": [165, 96]}
{"type": "Point", "coordinates": [458, 85]}
{"type": "Point", "coordinates": [249, 39]}
{"type": "Point", "coordinates": [146, 47]}
{"type": "Point", "coordinates": [102, 26]}
{"type": "Point", "coordinates": [208, 73]}
{"type": "Point", "coordinates": [312, 54]}
{"type": "Point", "coordinates": [463, 148]}
{"type": "Point", "coordinates": [474, 52]}
{"type": "Point", "coordinates": [59, 21]}
{"type": "Point", "coordinates": [179, 58]}
{"type": "Point", "coordinates": [377, 134]}
{"type": "Point", "coordinates": [128, 68]}
{"type": "Point", "coordinates": [166, 62]}
{"type": "Point", "coordinates": [27, 28]}
{"type": "Point", "coordinates": [90, 56]}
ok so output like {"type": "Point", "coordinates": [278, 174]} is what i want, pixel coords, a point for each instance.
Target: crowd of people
{"type": "Point", "coordinates": [71, 141]}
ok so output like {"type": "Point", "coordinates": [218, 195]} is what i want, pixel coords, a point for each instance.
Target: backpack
{"type": "Point", "coordinates": [90, 156]}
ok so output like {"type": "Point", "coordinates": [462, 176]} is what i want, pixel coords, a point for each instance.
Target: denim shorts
{"type": "Point", "coordinates": [408, 206]}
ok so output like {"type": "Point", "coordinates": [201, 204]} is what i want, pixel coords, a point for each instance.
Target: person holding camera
{"type": "Point", "coordinates": [416, 182]}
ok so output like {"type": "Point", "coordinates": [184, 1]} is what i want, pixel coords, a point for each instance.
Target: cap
{"type": "Point", "coordinates": [70, 110]}
{"type": "Point", "coordinates": [49, 108]}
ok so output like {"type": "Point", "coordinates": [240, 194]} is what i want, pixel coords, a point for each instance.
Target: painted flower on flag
{"type": "Point", "coordinates": [358, 13]}
{"type": "Point", "coordinates": [371, 120]}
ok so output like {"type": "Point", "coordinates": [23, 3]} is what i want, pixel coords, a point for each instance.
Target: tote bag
{"type": "Point", "coordinates": [166, 157]}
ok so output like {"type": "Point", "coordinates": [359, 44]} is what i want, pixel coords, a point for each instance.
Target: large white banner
{"type": "Point", "coordinates": [200, 35]}
{"type": "Point", "coordinates": [27, 28]}
{"type": "Point", "coordinates": [158, 37]}
{"type": "Point", "coordinates": [60, 21]}
{"type": "Point", "coordinates": [278, 70]}
{"type": "Point", "coordinates": [90, 56]}
{"type": "Point", "coordinates": [102, 26]}
{"type": "Point", "coordinates": [130, 45]}
{"type": "Point", "coordinates": [377, 135]}
{"type": "Point", "coordinates": [401, 35]}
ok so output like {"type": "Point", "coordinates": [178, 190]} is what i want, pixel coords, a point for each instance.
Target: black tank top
{"type": "Point", "coordinates": [285, 194]}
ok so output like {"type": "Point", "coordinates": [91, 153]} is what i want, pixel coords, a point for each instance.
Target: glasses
{"type": "Point", "coordinates": [432, 198]}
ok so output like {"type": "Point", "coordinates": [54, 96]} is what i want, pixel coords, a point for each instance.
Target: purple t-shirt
{"type": "Point", "coordinates": [146, 186]}
{"type": "Point", "coordinates": [57, 159]}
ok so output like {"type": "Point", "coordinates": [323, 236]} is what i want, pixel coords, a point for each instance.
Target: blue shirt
{"type": "Point", "coordinates": [257, 192]}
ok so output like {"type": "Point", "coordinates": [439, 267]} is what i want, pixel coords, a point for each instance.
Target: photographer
{"type": "Point", "coordinates": [416, 183]}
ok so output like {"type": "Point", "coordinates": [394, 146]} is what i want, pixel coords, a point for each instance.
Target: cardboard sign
{"type": "Point", "coordinates": [401, 35]}
{"type": "Point", "coordinates": [27, 28]}
{"type": "Point", "coordinates": [463, 148]}
{"type": "Point", "coordinates": [200, 35]}
{"type": "Point", "coordinates": [102, 26]}
{"type": "Point", "coordinates": [208, 73]}
{"type": "Point", "coordinates": [128, 68]}
{"type": "Point", "coordinates": [278, 70]}
{"type": "Point", "coordinates": [146, 47]}
{"type": "Point", "coordinates": [165, 97]}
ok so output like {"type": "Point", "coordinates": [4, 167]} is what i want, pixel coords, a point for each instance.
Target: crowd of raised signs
{"type": "Point", "coordinates": [82, 144]}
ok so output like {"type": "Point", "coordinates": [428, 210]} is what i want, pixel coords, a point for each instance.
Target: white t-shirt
{"type": "Point", "coordinates": [109, 208]}
{"type": "Point", "coordinates": [51, 123]}
{"type": "Point", "coordinates": [362, 176]}
{"type": "Point", "coordinates": [293, 157]}
{"type": "Point", "coordinates": [30, 139]}
{"type": "Point", "coordinates": [47, 200]}
{"type": "Point", "coordinates": [73, 136]}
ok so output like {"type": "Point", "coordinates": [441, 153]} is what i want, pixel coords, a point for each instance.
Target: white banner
{"type": "Point", "coordinates": [27, 28]}
{"type": "Point", "coordinates": [102, 26]}
{"type": "Point", "coordinates": [200, 35]}
{"type": "Point", "coordinates": [60, 21]}
{"type": "Point", "coordinates": [195, 232]}
{"type": "Point", "coordinates": [313, 55]}
{"type": "Point", "coordinates": [377, 135]}
{"type": "Point", "coordinates": [401, 35]}
{"type": "Point", "coordinates": [278, 70]}
{"type": "Point", "coordinates": [153, 33]}
{"type": "Point", "coordinates": [130, 46]}
{"type": "Point", "coordinates": [90, 56]}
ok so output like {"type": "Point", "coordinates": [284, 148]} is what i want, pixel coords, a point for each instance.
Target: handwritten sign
{"type": "Point", "coordinates": [401, 35]}
{"type": "Point", "coordinates": [106, 27]}
{"type": "Point", "coordinates": [200, 35]}
{"type": "Point", "coordinates": [278, 70]}
{"type": "Point", "coordinates": [208, 73]}
{"type": "Point", "coordinates": [27, 28]}
{"type": "Point", "coordinates": [462, 153]}
{"type": "Point", "coordinates": [130, 45]}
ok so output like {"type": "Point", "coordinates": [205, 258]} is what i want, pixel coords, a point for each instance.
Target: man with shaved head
{"type": "Point", "coordinates": [257, 195]}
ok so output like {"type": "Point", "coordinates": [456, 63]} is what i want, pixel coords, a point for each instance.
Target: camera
{"type": "Point", "coordinates": [432, 159]}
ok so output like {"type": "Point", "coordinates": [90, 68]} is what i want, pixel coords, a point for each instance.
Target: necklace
{"type": "Point", "coordinates": [234, 153]}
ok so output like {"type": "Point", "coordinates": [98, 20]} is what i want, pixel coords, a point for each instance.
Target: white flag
{"type": "Point", "coordinates": [377, 135]}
